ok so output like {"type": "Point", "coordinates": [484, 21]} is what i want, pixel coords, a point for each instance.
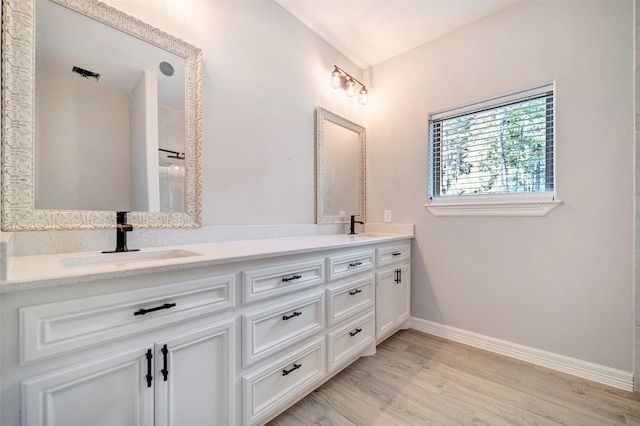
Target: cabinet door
{"type": "Point", "coordinates": [194, 377]}
{"type": "Point", "coordinates": [393, 292]}
{"type": "Point", "coordinates": [386, 303]}
{"type": "Point", "coordinates": [109, 391]}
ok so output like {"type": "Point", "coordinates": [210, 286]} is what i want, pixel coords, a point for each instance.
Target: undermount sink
{"type": "Point", "coordinates": [124, 258]}
{"type": "Point", "coordinates": [372, 235]}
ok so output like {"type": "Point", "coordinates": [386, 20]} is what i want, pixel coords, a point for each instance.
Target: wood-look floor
{"type": "Point", "coordinates": [419, 379]}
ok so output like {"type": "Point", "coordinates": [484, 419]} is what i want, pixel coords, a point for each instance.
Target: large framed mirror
{"type": "Point", "coordinates": [101, 112]}
{"type": "Point", "coordinates": [341, 168]}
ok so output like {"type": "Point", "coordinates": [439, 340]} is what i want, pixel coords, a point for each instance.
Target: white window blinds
{"type": "Point", "coordinates": [501, 145]}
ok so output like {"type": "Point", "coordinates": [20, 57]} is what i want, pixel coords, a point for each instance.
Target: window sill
{"type": "Point", "coordinates": [526, 207]}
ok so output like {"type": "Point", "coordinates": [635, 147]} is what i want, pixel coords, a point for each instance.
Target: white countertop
{"type": "Point", "coordinates": [38, 271]}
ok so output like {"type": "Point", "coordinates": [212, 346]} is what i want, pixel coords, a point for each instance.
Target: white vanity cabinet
{"type": "Point", "coordinates": [228, 343]}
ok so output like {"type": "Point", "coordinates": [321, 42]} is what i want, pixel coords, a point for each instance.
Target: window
{"type": "Point", "coordinates": [498, 150]}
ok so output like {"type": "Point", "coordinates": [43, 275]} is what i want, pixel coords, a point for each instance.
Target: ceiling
{"type": "Point", "coordinates": [369, 32]}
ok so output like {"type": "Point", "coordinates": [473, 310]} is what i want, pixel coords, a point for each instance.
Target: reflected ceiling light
{"type": "Point", "coordinates": [166, 68]}
{"type": "Point", "coordinates": [340, 79]}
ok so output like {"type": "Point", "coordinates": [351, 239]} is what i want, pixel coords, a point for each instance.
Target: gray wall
{"type": "Point", "coordinates": [561, 283]}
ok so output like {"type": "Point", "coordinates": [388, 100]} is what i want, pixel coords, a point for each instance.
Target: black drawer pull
{"type": "Point", "coordinates": [396, 254]}
{"type": "Point", "coordinates": [157, 308]}
{"type": "Point", "coordinates": [164, 371]}
{"type": "Point", "coordinates": [294, 368]}
{"type": "Point", "coordinates": [354, 292]}
{"type": "Point", "coordinates": [295, 277]}
{"type": "Point", "coordinates": [353, 333]}
{"type": "Point", "coordinates": [288, 317]}
{"type": "Point", "coordinates": [354, 264]}
{"type": "Point", "coordinates": [149, 377]}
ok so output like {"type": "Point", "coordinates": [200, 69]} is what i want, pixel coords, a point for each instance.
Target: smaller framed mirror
{"type": "Point", "coordinates": [340, 169]}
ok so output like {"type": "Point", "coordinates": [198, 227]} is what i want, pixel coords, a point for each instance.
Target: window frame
{"type": "Point", "coordinates": [506, 204]}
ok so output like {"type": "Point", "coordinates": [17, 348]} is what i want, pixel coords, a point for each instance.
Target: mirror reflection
{"type": "Point", "coordinates": [110, 122]}
{"type": "Point", "coordinates": [341, 168]}
{"type": "Point", "coordinates": [55, 138]}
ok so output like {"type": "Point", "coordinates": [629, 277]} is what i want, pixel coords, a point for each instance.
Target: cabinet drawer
{"type": "Point", "coordinates": [347, 299]}
{"type": "Point", "coordinates": [270, 282]}
{"type": "Point", "coordinates": [276, 327]}
{"type": "Point", "coordinates": [349, 264]}
{"type": "Point", "coordinates": [272, 388]}
{"type": "Point", "coordinates": [55, 328]}
{"type": "Point", "coordinates": [346, 343]}
{"type": "Point", "coordinates": [392, 254]}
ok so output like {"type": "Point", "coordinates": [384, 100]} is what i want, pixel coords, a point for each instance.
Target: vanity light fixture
{"type": "Point", "coordinates": [340, 79]}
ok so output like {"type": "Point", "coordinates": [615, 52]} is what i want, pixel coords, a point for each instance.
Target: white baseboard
{"type": "Point", "coordinates": [587, 370]}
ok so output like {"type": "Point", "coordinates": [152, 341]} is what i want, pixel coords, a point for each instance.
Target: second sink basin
{"type": "Point", "coordinates": [124, 258]}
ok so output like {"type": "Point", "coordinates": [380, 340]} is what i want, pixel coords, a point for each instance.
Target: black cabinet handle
{"type": "Point", "coordinates": [398, 279]}
{"type": "Point", "coordinates": [354, 264]}
{"type": "Point", "coordinates": [354, 292]}
{"type": "Point", "coordinates": [149, 377]}
{"type": "Point", "coordinates": [288, 317]}
{"type": "Point", "coordinates": [295, 277]}
{"type": "Point", "coordinates": [164, 371]}
{"type": "Point", "coordinates": [294, 368]}
{"type": "Point", "coordinates": [353, 333]}
{"type": "Point", "coordinates": [157, 308]}
{"type": "Point", "coordinates": [396, 254]}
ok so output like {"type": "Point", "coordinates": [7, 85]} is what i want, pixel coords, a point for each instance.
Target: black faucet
{"type": "Point", "coordinates": [122, 227]}
{"type": "Point", "coordinates": [352, 227]}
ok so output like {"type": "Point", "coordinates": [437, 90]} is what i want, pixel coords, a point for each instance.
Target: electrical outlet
{"type": "Point", "coordinates": [342, 214]}
{"type": "Point", "coordinates": [387, 216]}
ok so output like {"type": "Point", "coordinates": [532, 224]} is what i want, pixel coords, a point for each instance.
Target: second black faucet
{"type": "Point", "coordinates": [352, 227]}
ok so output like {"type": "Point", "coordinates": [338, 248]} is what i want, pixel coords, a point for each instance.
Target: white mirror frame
{"type": "Point", "coordinates": [322, 217]}
{"type": "Point", "coordinates": [18, 123]}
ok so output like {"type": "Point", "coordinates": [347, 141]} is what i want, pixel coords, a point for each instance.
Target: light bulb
{"type": "Point", "coordinates": [351, 87]}
{"type": "Point", "coordinates": [335, 79]}
{"type": "Point", "coordinates": [364, 96]}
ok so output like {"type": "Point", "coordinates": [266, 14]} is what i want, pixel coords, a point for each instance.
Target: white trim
{"type": "Point", "coordinates": [576, 367]}
{"type": "Point", "coordinates": [495, 207]}
{"type": "Point", "coordinates": [489, 101]}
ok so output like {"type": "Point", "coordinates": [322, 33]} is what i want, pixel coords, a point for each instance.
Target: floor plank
{"type": "Point", "coordinates": [419, 379]}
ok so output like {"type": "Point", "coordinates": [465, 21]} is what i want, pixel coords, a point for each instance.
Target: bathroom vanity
{"type": "Point", "coordinates": [226, 333]}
